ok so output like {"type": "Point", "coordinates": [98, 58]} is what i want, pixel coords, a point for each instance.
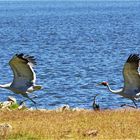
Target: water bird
{"type": "Point", "coordinates": [24, 76]}
{"type": "Point", "coordinates": [95, 105]}
{"type": "Point", "coordinates": [131, 89]}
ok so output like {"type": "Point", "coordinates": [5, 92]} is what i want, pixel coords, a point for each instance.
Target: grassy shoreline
{"type": "Point", "coordinates": [85, 124]}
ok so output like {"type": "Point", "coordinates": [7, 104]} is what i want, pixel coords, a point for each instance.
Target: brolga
{"type": "Point", "coordinates": [24, 76]}
{"type": "Point", "coordinates": [131, 88]}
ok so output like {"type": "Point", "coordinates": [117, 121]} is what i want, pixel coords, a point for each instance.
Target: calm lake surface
{"type": "Point", "coordinates": [77, 45]}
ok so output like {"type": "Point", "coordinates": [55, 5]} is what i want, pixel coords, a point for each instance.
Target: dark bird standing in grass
{"type": "Point", "coordinates": [24, 76]}
{"type": "Point", "coordinates": [95, 105]}
{"type": "Point", "coordinates": [131, 89]}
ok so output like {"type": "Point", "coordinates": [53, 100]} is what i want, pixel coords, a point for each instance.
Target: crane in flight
{"type": "Point", "coordinates": [24, 76]}
{"type": "Point", "coordinates": [131, 89]}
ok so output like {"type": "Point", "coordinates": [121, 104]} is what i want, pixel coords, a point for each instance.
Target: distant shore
{"type": "Point", "coordinates": [66, 124]}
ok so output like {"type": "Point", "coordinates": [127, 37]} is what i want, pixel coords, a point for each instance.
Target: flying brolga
{"type": "Point", "coordinates": [131, 89]}
{"type": "Point", "coordinates": [24, 76]}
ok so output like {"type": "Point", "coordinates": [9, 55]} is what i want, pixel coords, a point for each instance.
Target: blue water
{"type": "Point", "coordinates": [77, 45]}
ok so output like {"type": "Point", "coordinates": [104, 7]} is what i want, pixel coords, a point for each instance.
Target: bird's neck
{"type": "Point", "coordinates": [119, 91]}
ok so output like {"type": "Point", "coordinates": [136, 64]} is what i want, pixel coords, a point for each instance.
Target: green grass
{"type": "Point", "coordinates": [13, 106]}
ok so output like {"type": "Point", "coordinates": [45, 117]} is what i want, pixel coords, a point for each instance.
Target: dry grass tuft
{"type": "Point", "coordinates": [107, 124]}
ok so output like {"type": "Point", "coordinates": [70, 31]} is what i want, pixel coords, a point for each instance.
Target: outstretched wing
{"type": "Point", "coordinates": [24, 75]}
{"type": "Point", "coordinates": [131, 74]}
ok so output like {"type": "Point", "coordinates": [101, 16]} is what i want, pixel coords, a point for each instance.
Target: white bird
{"type": "Point", "coordinates": [131, 89]}
{"type": "Point", "coordinates": [24, 76]}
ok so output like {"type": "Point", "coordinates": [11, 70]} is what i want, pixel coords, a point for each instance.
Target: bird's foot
{"type": "Point", "coordinates": [21, 102]}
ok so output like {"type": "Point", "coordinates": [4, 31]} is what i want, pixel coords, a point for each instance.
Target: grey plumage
{"type": "Point", "coordinates": [131, 76]}
{"type": "Point", "coordinates": [24, 75]}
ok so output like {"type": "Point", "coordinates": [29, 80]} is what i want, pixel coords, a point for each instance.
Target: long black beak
{"type": "Point", "coordinates": [96, 95]}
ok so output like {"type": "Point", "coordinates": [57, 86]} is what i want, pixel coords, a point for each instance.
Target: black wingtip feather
{"type": "Point", "coordinates": [133, 58]}
{"type": "Point", "coordinates": [19, 55]}
{"type": "Point", "coordinates": [27, 58]}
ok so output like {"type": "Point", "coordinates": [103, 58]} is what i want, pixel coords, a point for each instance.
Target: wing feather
{"type": "Point", "coordinates": [131, 74]}
{"type": "Point", "coordinates": [22, 67]}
